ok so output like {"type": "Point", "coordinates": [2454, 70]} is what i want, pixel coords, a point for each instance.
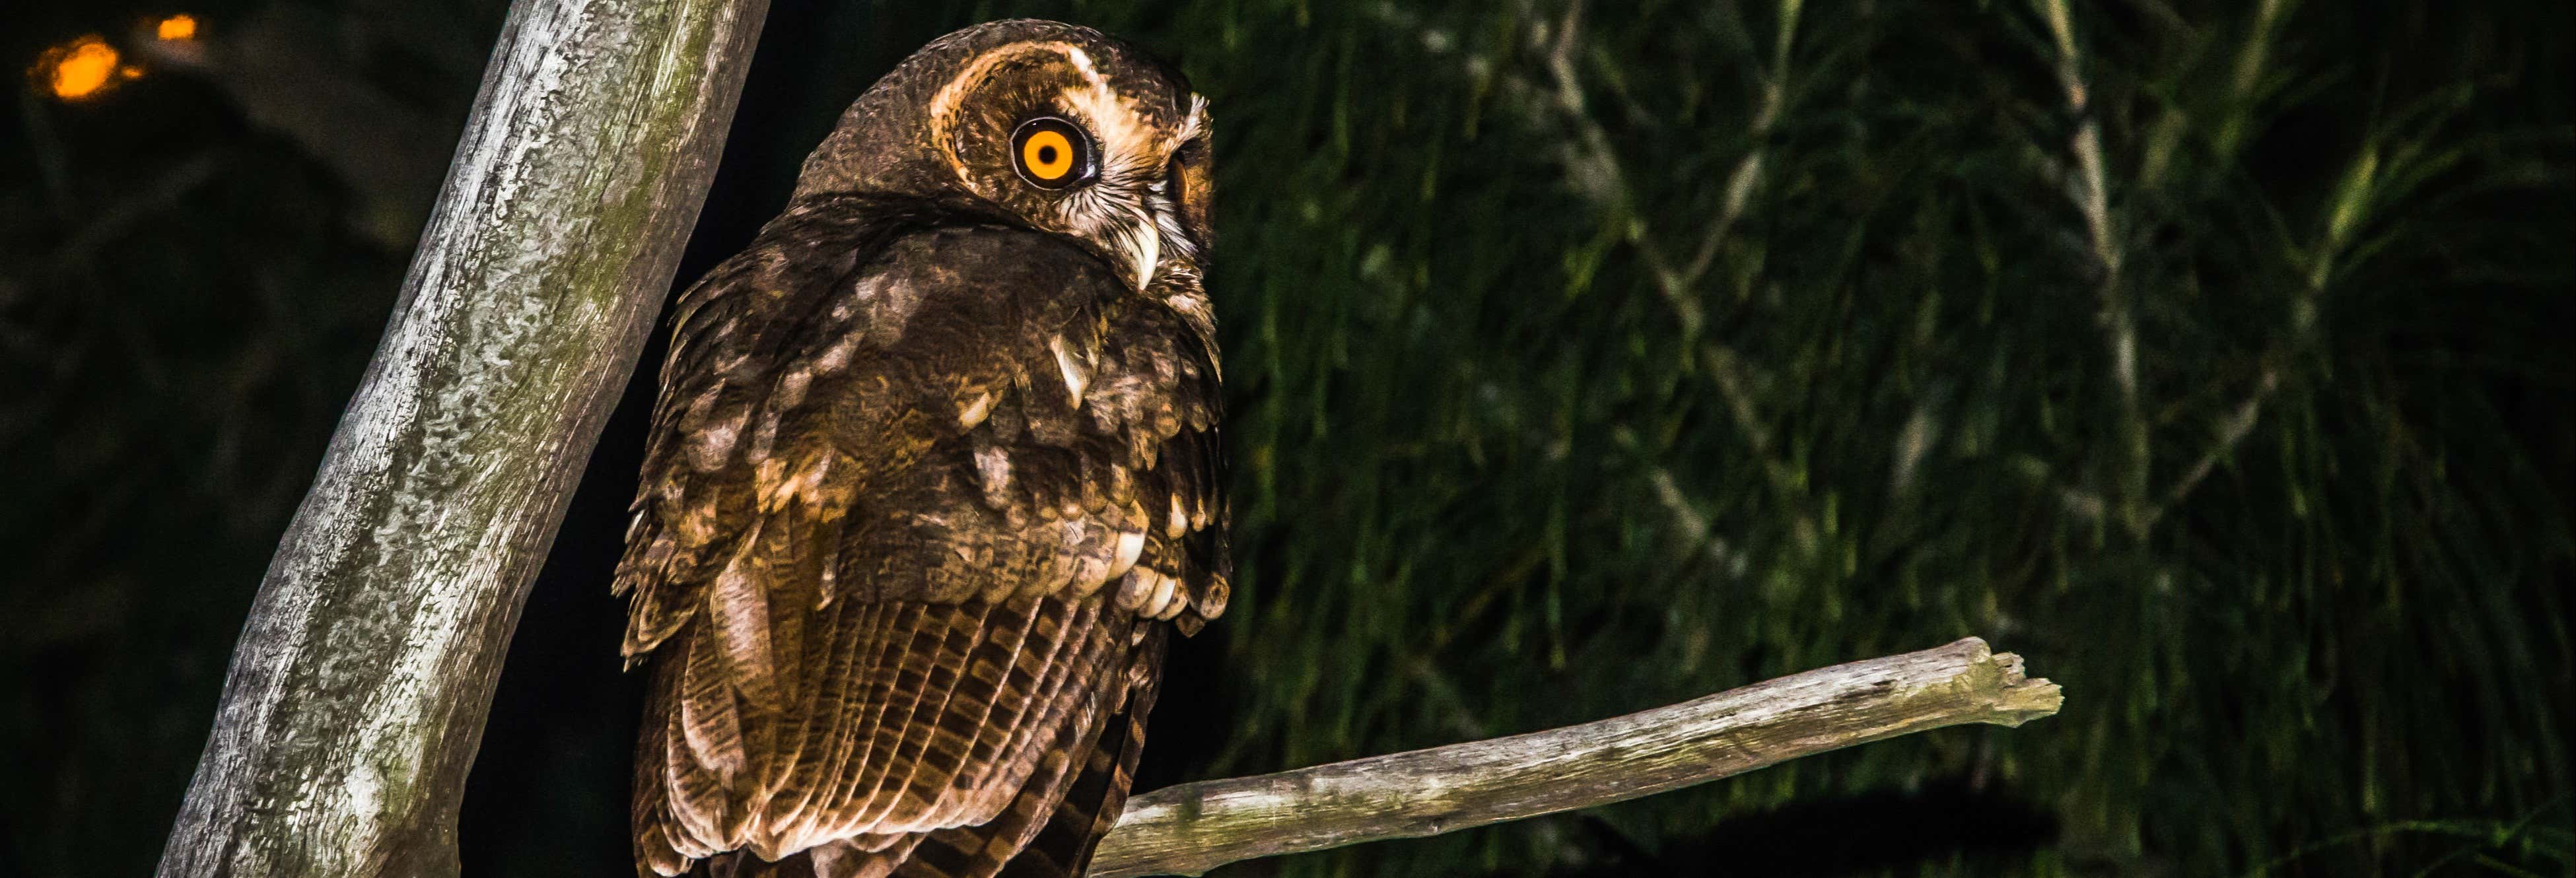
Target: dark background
{"type": "Point", "coordinates": [1581, 361]}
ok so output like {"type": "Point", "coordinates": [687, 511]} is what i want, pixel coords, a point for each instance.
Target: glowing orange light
{"type": "Point", "coordinates": [80, 68]}
{"type": "Point", "coordinates": [177, 27]}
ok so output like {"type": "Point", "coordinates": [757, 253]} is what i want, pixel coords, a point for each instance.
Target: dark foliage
{"type": "Point", "coordinates": [1583, 359]}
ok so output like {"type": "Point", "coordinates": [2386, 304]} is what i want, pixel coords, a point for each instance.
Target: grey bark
{"type": "Point", "coordinates": [1191, 828]}
{"type": "Point", "coordinates": [357, 695]}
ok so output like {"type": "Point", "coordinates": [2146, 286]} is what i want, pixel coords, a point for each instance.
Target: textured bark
{"type": "Point", "coordinates": [1191, 828]}
{"type": "Point", "coordinates": [356, 698]}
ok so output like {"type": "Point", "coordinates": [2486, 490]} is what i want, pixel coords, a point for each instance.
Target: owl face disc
{"type": "Point", "coordinates": [1052, 153]}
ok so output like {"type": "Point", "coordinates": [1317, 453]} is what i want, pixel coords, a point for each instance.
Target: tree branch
{"type": "Point", "coordinates": [1191, 828]}
{"type": "Point", "coordinates": [356, 698]}
{"type": "Point", "coordinates": [2092, 196]}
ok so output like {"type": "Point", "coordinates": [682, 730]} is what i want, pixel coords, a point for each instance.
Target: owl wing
{"type": "Point", "coordinates": [908, 520]}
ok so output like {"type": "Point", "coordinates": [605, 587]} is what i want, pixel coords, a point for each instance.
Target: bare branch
{"type": "Point", "coordinates": [2092, 197]}
{"type": "Point", "coordinates": [2231, 433]}
{"type": "Point", "coordinates": [1191, 828]}
{"type": "Point", "coordinates": [1600, 177]}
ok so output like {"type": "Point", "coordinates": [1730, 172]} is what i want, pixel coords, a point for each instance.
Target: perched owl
{"type": "Point", "coordinates": [933, 476]}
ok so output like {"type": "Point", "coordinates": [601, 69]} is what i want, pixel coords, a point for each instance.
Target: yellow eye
{"type": "Point", "coordinates": [1051, 153]}
{"type": "Point", "coordinates": [1047, 155]}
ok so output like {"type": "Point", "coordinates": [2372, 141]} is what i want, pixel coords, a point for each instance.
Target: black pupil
{"type": "Point", "coordinates": [1046, 154]}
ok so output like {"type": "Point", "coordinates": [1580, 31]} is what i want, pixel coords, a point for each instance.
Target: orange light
{"type": "Point", "coordinates": [177, 27]}
{"type": "Point", "coordinates": [80, 68]}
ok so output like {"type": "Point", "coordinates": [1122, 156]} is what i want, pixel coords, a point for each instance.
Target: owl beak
{"type": "Point", "coordinates": [1147, 251]}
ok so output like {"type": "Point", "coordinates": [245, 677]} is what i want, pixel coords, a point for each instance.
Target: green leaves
{"type": "Point", "coordinates": [1663, 352]}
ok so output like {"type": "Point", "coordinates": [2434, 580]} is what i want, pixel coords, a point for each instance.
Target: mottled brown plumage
{"type": "Point", "coordinates": [933, 475]}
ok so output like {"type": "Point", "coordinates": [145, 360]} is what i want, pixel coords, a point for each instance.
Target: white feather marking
{"type": "Point", "coordinates": [714, 444]}
{"type": "Point", "coordinates": [995, 467]}
{"type": "Point", "coordinates": [1130, 545]}
{"type": "Point", "coordinates": [836, 356]}
{"type": "Point", "coordinates": [1195, 122]}
{"type": "Point", "coordinates": [1076, 376]}
{"type": "Point", "coordinates": [1163, 605]}
{"type": "Point", "coordinates": [792, 386]}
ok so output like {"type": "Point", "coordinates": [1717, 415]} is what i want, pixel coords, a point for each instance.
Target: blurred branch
{"type": "Point", "coordinates": [2248, 75]}
{"type": "Point", "coordinates": [94, 230]}
{"type": "Point", "coordinates": [291, 72]}
{"type": "Point", "coordinates": [356, 698]}
{"type": "Point", "coordinates": [2345, 213]}
{"type": "Point", "coordinates": [1191, 828]}
{"type": "Point", "coordinates": [2091, 193]}
{"type": "Point", "coordinates": [1595, 172]}
{"type": "Point", "coordinates": [2231, 433]}
{"type": "Point", "coordinates": [1600, 176]}
{"type": "Point", "coordinates": [1748, 170]}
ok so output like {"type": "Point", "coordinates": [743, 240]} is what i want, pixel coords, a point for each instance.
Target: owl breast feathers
{"type": "Point", "coordinates": [933, 475]}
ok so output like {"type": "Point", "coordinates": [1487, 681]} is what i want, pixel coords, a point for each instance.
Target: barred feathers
{"type": "Point", "coordinates": [933, 476]}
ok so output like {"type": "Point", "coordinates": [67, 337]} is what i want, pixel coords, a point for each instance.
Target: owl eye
{"type": "Point", "coordinates": [1052, 153]}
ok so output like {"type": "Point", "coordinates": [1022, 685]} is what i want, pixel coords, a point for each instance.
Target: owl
{"type": "Point", "coordinates": [934, 477]}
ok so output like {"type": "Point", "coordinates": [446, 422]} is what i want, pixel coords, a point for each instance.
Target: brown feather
{"type": "Point", "coordinates": [1097, 794]}
{"type": "Point", "coordinates": [915, 472]}
{"type": "Point", "coordinates": [981, 850]}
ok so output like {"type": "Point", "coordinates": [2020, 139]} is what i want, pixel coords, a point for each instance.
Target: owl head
{"type": "Point", "coordinates": [1049, 125]}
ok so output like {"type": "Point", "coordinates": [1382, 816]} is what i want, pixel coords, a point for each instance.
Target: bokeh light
{"type": "Point", "coordinates": [79, 69]}
{"type": "Point", "coordinates": [177, 27]}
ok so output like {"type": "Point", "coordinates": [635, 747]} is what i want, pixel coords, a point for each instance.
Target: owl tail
{"type": "Point", "coordinates": [1075, 815]}
{"type": "Point", "coordinates": [1099, 793]}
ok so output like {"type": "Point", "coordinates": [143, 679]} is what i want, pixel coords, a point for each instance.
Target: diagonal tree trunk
{"type": "Point", "coordinates": [357, 695]}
